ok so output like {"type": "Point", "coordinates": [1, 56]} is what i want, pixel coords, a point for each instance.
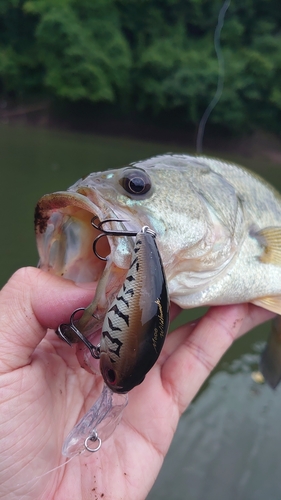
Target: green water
{"type": "Point", "coordinates": [228, 444]}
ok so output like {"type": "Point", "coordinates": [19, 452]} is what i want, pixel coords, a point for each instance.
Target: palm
{"type": "Point", "coordinates": [57, 392]}
{"type": "Point", "coordinates": [44, 399]}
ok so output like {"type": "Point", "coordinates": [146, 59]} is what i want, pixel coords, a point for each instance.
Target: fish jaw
{"type": "Point", "coordinates": [62, 222]}
{"type": "Point", "coordinates": [65, 236]}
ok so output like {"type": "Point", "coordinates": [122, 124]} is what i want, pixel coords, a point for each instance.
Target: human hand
{"type": "Point", "coordinates": [44, 392]}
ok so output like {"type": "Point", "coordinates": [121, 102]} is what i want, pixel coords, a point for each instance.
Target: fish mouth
{"type": "Point", "coordinates": [65, 238]}
{"type": "Point", "coordinates": [65, 235]}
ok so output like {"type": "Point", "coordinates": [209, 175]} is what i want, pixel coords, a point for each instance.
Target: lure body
{"type": "Point", "coordinates": [137, 321]}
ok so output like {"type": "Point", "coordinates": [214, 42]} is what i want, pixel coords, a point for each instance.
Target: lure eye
{"type": "Point", "coordinates": [111, 376]}
{"type": "Point", "coordinates": [135, 181]}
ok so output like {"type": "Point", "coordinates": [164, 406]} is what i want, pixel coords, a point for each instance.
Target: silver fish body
{"type": "Point", "coordinates": [137, 321]}
{"type": "Point", "coordinates": [218, 231]}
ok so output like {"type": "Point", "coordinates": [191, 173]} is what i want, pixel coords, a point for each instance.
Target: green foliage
{"type": "Point", "coordinates": [20, 69]}
{"type": "Point", "coordinates": [152, 55]}
{"type": "Point", "coordinates": [82, 48]}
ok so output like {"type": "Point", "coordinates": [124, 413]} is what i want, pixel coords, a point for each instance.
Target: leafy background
{"type": "Point", "coordinates": [152, 57]}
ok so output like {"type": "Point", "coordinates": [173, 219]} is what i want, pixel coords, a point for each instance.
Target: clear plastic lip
{"type": "Point", "coordinates": [97, 425]}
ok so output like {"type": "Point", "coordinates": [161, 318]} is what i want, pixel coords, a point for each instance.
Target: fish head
{"type": "Point", "coordinates": [167, 194]}
{"type": "Point", "coordinates": [63, 226]}
{"type": "Point", "coordinates": [149, 193]}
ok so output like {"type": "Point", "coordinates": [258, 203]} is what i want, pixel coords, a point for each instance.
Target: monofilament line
{"type": "Point", "coordinates": [221, 71]}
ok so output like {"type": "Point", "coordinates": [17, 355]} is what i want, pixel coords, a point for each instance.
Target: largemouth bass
{"type": "Point", "coordinates": [218, 232]}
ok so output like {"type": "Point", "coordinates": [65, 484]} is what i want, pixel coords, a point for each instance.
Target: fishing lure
{"type": "Point", "coordinates": [137, 321]}
{"type": "Point", "coordinates": [133, 335]}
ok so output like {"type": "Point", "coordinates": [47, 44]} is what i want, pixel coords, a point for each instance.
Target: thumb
{"type": "Point", "coordinates": [31, 302]}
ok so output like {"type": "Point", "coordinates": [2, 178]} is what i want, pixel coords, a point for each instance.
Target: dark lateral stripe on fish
{"type": "Point", "coordinates": [130, 291]}
{"type": "Point", "coordinates": [113, 341]}
{"type": "Point", "coordinates": [124, 300]}
{"type": "Point", "coordinates": [125, 317]}
{"type": "Point", "coordinates": [112, 327]}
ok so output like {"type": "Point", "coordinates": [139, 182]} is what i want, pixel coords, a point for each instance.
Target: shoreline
{"type": "Point", "coordinates": [259, 144]}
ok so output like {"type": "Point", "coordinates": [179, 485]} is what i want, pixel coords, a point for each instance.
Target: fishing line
{"type": "Point", "coordinates": [49, 471]}
{"type": "Point", "coordinates": [221, 73]}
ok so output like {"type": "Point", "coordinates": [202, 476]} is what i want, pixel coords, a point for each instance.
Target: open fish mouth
{"type": "Point", "coordinates": [65, 236]}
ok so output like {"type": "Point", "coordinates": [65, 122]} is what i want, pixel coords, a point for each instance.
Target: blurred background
{"type": "Point", "coordinates": [87, 85]}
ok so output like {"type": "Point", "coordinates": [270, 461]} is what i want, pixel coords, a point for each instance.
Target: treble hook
{"type": "Point", "coordinates": [94, 350]}
{"type": "Point", "coordinates": [106, 232]}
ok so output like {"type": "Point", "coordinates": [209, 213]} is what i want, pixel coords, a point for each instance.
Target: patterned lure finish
{"type": "Point", "coordinates": [137, 321]}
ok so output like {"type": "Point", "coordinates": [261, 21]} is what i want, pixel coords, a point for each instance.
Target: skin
{"type": "Point", "coordinates": [44, 391]}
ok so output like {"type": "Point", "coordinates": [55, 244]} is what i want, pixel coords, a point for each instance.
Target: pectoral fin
{"type": "Point", "coordinates": [270, 364]}
{"type": "Point", "coordinates": [271, 303]}
{"type": "Point", "coordinates": [270, 238]}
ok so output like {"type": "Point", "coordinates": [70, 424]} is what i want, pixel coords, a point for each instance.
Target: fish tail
{"type": "Point", "coordinates": [270, 363]}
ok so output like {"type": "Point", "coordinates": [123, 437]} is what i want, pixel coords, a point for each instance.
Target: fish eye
{"type": "Point", "coordinates": [135, 181]}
